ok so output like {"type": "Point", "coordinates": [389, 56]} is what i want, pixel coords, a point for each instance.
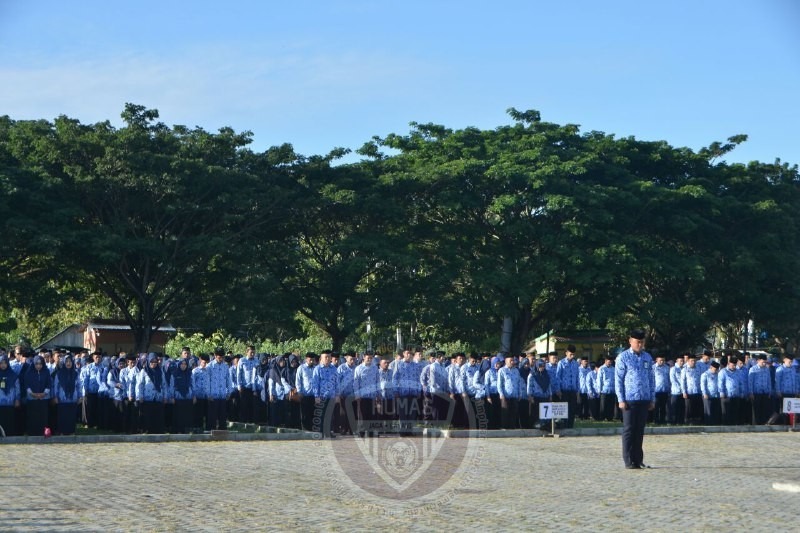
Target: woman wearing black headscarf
{"type": "Point", "coordinates": [539, 390]}
{"type": "Point", "coordinates": [9, 396]}
{"type": "Point", "coordinates": [151, 394]}
{"type": "Point", "coordinates": [294, 398]}
{"type": "Point", "coordinates": [277, 387]}
{"type": "Point", "coordinates": [261, 394]}
{"type": "Point", "coordinates": [67, 387]}
{"type": "Point", "coordinates": [182, 396]}
{"type": "Point", "coordinates": [38, 383]}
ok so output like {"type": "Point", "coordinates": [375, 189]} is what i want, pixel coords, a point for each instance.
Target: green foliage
{"type": "Point", "coordinates": [448, 231]}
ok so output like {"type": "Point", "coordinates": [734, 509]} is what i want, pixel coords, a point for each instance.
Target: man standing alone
{"type": "Point", "coordinates": [635, 387]}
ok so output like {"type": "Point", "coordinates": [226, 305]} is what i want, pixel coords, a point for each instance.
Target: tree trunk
{"type": "Point", "coordinates": [521, 330]}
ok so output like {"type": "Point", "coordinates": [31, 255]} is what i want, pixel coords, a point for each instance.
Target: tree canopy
{"type": "Point", "coordinates": [455, 230]}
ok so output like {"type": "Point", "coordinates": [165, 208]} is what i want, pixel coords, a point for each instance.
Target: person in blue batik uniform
{"type": "Point", "coordinates": [692, 395]}
{"type": "Point", "coordinates": [304, 386]}
{"type": "Point", "coordinates": [676, 402]}
{"type": "Point", "coordinates": [760, 384]}
{"type": "Point", "coordinates": [661, 373]}
{"type": "Point", "coordinates": [539, 390]}
{"type": "Point", "coordinates": [635, 385]}
{"type": "Point", "coordinates": [569, 380]}
{"type": "Point", "coordinates": [117, 394]}
{"type": "Point", "coordinates": [511, 389]}
{"type": "Point", "coordinates": [9, 395]}
{"type": "Point", "coordinates": [325, 381]}
{"type": "Point", "coordinates": [709, 386]}
{"type": "Point", "coordinates": [67, 387]}
{"type": "Point", "coordinates": [38, 384]}
{"type": "Point", "coordinates": [247, 371]}
{"type": "Point", "coordinates": [605, 386]}
{"type": "Point", "coordinates": [218, 389]}
{"type": "Point", "coordinates": [151, 394]}
{"type": "Point", "coordinates": [182, 396]}
{"type": "Point", "coordinates": [729, 393]}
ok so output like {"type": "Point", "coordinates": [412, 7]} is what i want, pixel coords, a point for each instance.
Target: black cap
{"type": "Point", "coordinates": [204, 357]}
{"type": "Point", "coordinates": [714, 364]}
{"type": "Point", "coordinates": [637, 334]}
{"type": "Point", "coordinates": [571, 348]}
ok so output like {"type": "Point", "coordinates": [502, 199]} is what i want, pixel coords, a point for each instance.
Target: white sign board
{"type": "Point", "coordinates": [553, 410]}
{"type": "Point", "coordinates": [791, 405]}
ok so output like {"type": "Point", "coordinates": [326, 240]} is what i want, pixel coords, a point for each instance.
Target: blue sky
{"type": "Point", "coordinates": [322, 74]}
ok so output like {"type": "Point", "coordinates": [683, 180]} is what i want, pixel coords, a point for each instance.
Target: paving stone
{"type": "Point", "coordinates": [529, 483]}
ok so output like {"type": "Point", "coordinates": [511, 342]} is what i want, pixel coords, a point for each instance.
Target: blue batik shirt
{"type": "Point", "coordinates": [325, 381]}
{"type": "Point", "coordinates": [555, 383]}
{"type": "Point", "coordinates": [676, 387]}
{"type": "Point", "coordinates": [661, 373]}
{"type": "Point", "coordinates": [346, 376]}
{"type": "Point", "coordinates": [303, 382]}
{"type": "Point", "coordinates": [365, 381]}
{"type": "Point", "coordinates": [584, 372]}
{"type": "Point", "coordinates": [567, 372]}
{"type": "Point", "coordinates": [786, 381]}
{"type": "Point", "coordinates": [246, 373]}
{"type": "Point", "coordinates": [406, 379]}
{"type": "Point", "coordinates": [467, 373]}
{"type": "Point", "coordinates": [633, 377]}
{"type": "Point", "coordinates": [509, 383]}
{"type": "Point", "coordinates": [709, 384]}
{"type": "Point", "coordinates": [760, 380]}
{"type": "Point", "coordinates": [605, 379]}
{"type": "Point", "coordinates": [219, 385]}
{"type": "Point", "coordinates": [690, 380]}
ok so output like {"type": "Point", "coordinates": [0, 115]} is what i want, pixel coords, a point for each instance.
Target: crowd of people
{"type": "Point", "coordinates": [53, 391]}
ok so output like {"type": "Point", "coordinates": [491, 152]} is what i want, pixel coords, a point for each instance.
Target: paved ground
{"type": "Point", "coordinates": [699, 482]}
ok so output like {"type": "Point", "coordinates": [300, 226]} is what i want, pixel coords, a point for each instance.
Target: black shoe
{"type": "Point", "coordinates": [644, 466]}
{"type": "Point", "coordinates": [632, 467]}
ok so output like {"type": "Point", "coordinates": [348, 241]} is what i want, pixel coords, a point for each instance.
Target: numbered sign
{"type": "Point", "coordinates": [791, 405]}
{"type": "Point", "coordinates": [555, 410]}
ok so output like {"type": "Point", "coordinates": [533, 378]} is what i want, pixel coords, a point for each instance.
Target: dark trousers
{"type": "Point", "coordinates": [131, 424]}
{"type": "Point", "coordinates": [277, 413]}
{"type": "Point", "coordinates": [509, 413]}
{"type": "Point", "coordinates": [153, 417]}
{"type": "Point", "coordinates": [608, 406]}
{"type": "Point", "coordinates": [91, 409]}
{"type": "Point", "coordinates": [678, 409]}
{"type": "Point", "coordinates": [307, 412]}
{"type": "Point", "coordinates": [594, 407]}
{"type": "Point", "coordinates": [323, 416]}
{"type": "Point", "coordinates": [493, 412]}
{"type": "Point", "coordinates": [182, 416]}
{"type": "Point", "coordinates": [634, 420]}
{"type": "Point", "coordinates": [711, 411]}
{"type": "Point", "coordinates": [694, 409]}
{"type": "Point", "coordinates": [571, 397]}
{"type": "Point", "coordinates": [543, 424]}
{"type": "Point", "coordinates": [247, 405]}
{"type": "Point", "coordinates": [762, 409]}
{"type": "Point", "coordinates": [660, 412]}
{"type": "Point", "coordinates": [200, 410]}
{"type": "Point", "coordinates": [585, 408]}
{"type": "Point", "coordinates": [234, 405]}
{"type": "Point", "coordinates": [217, 414]}
{"type": "Point", "coordinates": [20, 419]}
{"type": "Point", "coordinates": [366, 414]}
{"type": "Point", "coordinates": [293, 413]}
{"type": "Point", "coordinates": [116, 419]}
{"type": "Point", "coordinates": [37, 417]}
{"type": "Point", "coordinates": [745, 411]}
{"type": "Point", "coordinates": [66, 418]}
{"type": "Point", "coordinates": [7, 420]}
{"type": "Point", "coordinates": [729, 408]}
{"type": "Point", "coordinates": [407, 409]}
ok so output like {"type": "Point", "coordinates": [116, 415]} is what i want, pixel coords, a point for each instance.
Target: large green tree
{"type": "Point", "coordinates": [153, 217]}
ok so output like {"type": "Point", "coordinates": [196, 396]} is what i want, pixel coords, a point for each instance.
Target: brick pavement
{"type": "Point", "coordinates": [699, 482]}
